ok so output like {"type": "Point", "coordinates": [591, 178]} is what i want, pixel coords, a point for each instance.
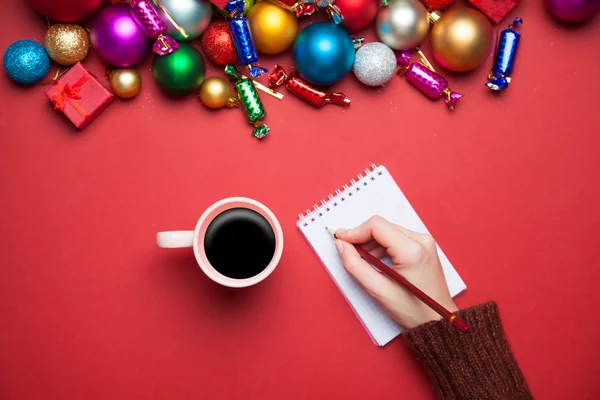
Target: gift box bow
{"type": "Point", "coordinates": [69, 94]}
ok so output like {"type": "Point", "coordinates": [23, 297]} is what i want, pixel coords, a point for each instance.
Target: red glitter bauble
{"type": "Point", "coordinates": [218, 45]}
{"type": "Point", "coordinates": [357, 13]}
{"type": "Point", "coordinates": [437, 4]}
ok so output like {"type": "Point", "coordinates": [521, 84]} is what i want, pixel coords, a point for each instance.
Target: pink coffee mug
{"type": "Point", "coordinates": [195, 239]}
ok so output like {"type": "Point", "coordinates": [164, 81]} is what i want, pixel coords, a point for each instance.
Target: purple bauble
{"type": "Point", "coordinates": [573, 10]}
{"type": "Point", "coordinates": [118, 38]}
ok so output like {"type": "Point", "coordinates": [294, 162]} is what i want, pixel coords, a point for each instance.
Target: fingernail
{"type": "Point", "coordinates": [339, 246]}
{"type": "Point", "coordinates": [341, 230]}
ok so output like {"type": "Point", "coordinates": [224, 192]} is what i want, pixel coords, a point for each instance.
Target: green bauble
{"type": "Point", "coordinates": [247, 6]}
{"type": "Point", "coordinates": [180, 72]}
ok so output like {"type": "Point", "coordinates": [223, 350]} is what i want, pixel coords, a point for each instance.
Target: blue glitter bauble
{"type": "Point", "coordinates": [323, 53]}
{"type": "Point", "coordinates": [26, 62]}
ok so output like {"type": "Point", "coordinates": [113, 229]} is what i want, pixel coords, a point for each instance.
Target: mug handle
{"type": "Point", "coordinates": [175, 239]}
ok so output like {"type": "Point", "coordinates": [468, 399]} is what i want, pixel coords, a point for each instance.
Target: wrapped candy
{"type": "Point", "coordinates": [153, 27]}
{"type": "Point", "coordinates": [306, 91]}
{"type": "Point", "coordinates": [300, 8]}
{"type": "Point", "coordinates": [426, 80]}
{"type": "Point", "coordinates": [331, 9]}
{"type": "Point", "coordinates": [504, 60]}
{"type": "Point", "coordinates": [249, 100]}
{"type": "Point", "coordinates": [242, 38]}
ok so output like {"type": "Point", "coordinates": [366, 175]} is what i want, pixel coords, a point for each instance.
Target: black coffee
{"type": "Point", "coordinates": [239, 243]}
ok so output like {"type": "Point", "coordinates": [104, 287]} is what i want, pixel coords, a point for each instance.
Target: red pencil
{"type": "Point", "coordinates": [390, 273]}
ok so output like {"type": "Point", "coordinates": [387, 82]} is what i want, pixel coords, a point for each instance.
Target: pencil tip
{"type": "Point", "coordinates": [331, 231]}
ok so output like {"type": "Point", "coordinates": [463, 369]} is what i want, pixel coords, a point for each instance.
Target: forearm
{"type": "Point", "coordinates": [474, 365]}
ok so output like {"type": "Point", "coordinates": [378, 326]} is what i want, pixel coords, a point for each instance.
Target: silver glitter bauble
{"type": "Point", "coordinates": [374, 64]}
{"type": "Point", "coordinates": [193, 16]}
{"type": "Point", "coordinates": [403, 24]}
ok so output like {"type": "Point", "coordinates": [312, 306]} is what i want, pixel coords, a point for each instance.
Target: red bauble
{"type": "Point", "coordinates": [358, 13]}
{"type": "Point", "coordinates": [438, 4]}
{"type": "Point", "coordinates": [66, 10]}
{"type": "Point", "coordinates": [218, 45]}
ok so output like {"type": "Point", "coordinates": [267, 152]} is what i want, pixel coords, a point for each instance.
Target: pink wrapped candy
{"type": "Point", "coordinates": [427, 81]}
{"type": "Point", "coordinates": [153, 27]}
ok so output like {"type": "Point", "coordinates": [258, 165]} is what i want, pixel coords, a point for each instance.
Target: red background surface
{"type": "Point", "coordinates": [90, 308]}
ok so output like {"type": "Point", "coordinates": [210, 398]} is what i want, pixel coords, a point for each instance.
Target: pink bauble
{"type": "Point", "coordinates": [117, 38]}
{"type": "Point", "coordinates": [66, 10]}
{"type": "Point", "coordinates": [573, 10]}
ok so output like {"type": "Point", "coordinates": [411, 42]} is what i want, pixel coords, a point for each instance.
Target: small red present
{"type": "Point", "coordinates": [496, 10]}
{"type": "Point", "coordinates": [79, 96]}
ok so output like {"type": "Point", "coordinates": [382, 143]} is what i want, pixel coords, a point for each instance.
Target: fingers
{"type": "Point", "coordinates": [375, 283]}
{"type": "Point", "coordinates": [403, 248]}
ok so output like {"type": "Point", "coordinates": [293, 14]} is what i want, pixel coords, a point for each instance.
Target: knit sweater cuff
{"type": "Point", "coordinates": [474, 365]}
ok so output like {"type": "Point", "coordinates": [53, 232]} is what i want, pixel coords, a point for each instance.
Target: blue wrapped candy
{"type": "Point", "coordinates": [504, 59]}
{"type": "Point", "coordinates": [242, 38]}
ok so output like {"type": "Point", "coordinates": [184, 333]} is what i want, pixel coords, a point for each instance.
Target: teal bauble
{"type": "Point", "coordinates": [180, 72]}
{"type": "Point", "coordinates": [323, 53]}
{"type": "Point", "coordinates": [26, 62]}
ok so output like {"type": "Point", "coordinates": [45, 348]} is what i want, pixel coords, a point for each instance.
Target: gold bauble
{"type": "Point", "coordinates": [215, 93]}
{"type": "Point", "coordinates": [273, 28]}
{"type": "Point", "coordinates": [67, 44]}
{"type": "Point", "coordinates": [125, 82]}
{"type": "Point", "coordinates": [461, 39]}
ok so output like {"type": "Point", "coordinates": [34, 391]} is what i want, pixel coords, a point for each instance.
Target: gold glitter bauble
{"type": "Point", "coordinates": [67, 44]}
{"type": "Point", "coordinates": [125, 82]}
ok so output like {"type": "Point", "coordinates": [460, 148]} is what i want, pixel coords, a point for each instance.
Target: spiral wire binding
{"type": "Point", "coordinates": [340, 196]}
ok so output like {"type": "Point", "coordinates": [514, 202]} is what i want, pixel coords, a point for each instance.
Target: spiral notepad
{"type": "Point", "coordinates": [374, 193]}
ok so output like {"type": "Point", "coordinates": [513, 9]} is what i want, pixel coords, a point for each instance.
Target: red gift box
{"type": "Point", "coordinates": [79, 96]}
{"type": "Point", "coordinates": [496, 10]}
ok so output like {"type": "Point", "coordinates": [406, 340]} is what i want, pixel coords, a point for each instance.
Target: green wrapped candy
{"type": "Point", "coordinates": [249, 100]}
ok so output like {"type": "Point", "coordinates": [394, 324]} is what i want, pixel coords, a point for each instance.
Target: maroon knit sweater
{"type": "Point", "coordinates": [474, 365]}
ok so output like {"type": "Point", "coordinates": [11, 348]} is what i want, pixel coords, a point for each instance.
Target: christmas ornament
{"type": "Point", "coordinates": [307, 92]}
{"type": "Point", "coordinates": [273, 28]}
{"type": "Point", "coordinates": [180, 72]}
{"type": "Point", "coordinates": [374, 64]}
{"type": "Point", "coordinates": [218, 45]}
{"type": "Point", "coordinates": [242, 38]}
{"type": "Point", "coordinates": [248, 97]}
{"type": "Point", "coordinates": [67, 44]}
{"type": "Point", "coordinates": [357, 14]}
{"type": "Point", "coordinates": [124, 82]}
{"type": "Point", "coordinates": [323, 53]}
{"type": "Point", "coordinates": [247, 6]}
{"type": "Point", "coordinates": [427, 81]}
{"type": "Point", "coordinates": [153, 27]}
{"type": "Point", "coordinates": [66, 10]}
{"type": "Point", "coordinates": [79, 96]}
{"type": "Point", "coordinates": [403, 24]}
{"type": "Point", "coordinates": [117, 38]}
{"type": "Point", "coordinates": [331, 9]}
{"type": "Point", "coordinates": [504, 60]}
{"type": "Point", "coordinates": [26, 62]}
{"type": "Point", "coordinates": [461, 39]}
{"type": "Point", "coordinates": [573, 10]}
{"type": "Point", "coordinates": [186, 19]}
{"type": "Point", "coordinates": [215, 93]}
{"type": "Point", "coordinates": [442, 4]}
{"type": "Point", "coordinates": [495, 10]}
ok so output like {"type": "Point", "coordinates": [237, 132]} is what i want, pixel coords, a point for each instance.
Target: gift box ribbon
{"type": "Point", "coordinates": [69, 93]}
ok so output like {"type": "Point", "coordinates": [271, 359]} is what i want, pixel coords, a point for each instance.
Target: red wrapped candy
{"type": "Point", "coordinates": [306, 91]}
{"type": "Point", "coordinates": [79, 96]}
{"type": "Point", "coordinates": [495, 10]}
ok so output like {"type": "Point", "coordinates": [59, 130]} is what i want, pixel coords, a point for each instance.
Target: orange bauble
{"type": "Point", "coordinates": [273, 28]}
{"type": "Point", "coordinates": [461, 39]}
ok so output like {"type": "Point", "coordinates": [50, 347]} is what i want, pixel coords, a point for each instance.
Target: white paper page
{"type": "Point", "coordinates": [380, 196]}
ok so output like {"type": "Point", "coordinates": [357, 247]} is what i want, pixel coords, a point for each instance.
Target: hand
{"type": "Point", "coordinates": [414, 256]}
